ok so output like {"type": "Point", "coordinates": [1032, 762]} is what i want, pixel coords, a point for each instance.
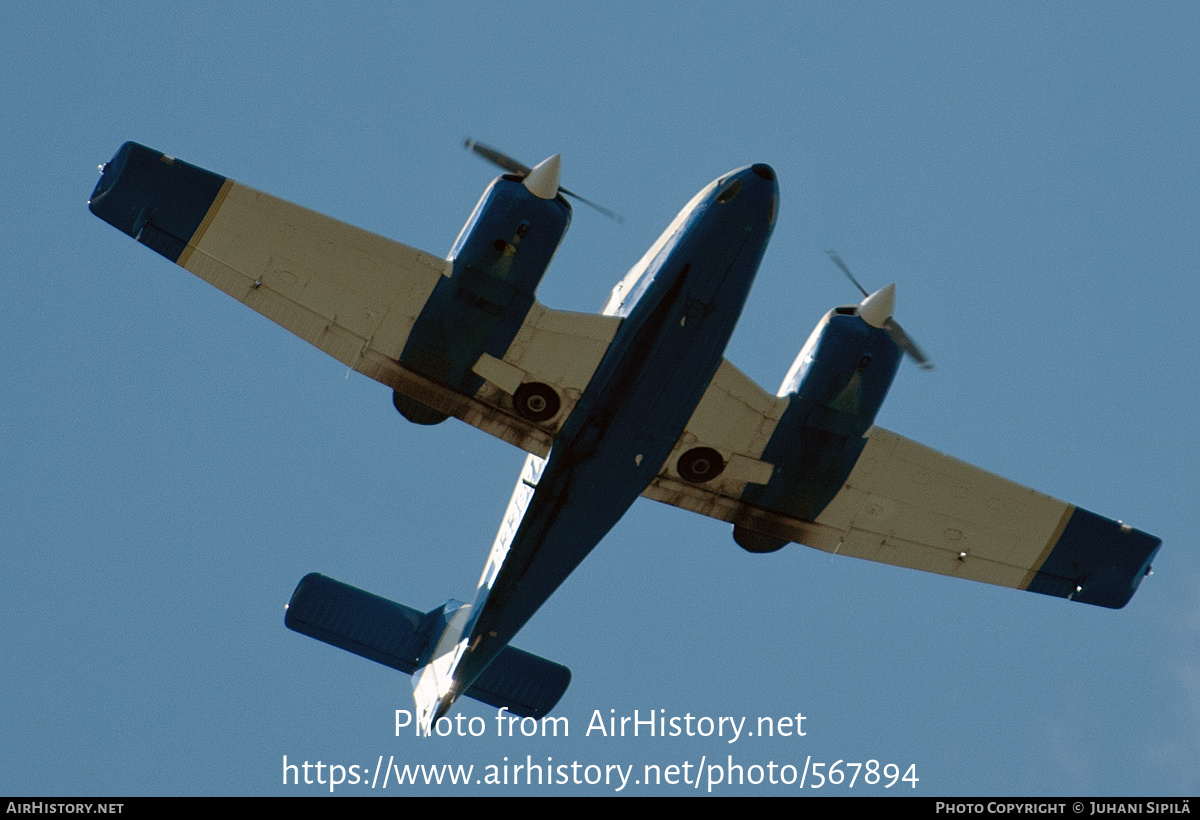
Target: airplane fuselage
{"type": "Point", "coordinates": [680, 308]}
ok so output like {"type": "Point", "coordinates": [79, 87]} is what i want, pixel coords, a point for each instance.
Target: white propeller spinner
{"type": "Point", "coordinates": [877, 308]}
{"type": "Point", "coordinates": [542, 181]}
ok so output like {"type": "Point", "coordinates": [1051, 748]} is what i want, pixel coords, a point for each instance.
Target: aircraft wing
{"type": "Point", "coordinates": [909, 505]}
{"type": "Point", "coordinates": [349, 292]}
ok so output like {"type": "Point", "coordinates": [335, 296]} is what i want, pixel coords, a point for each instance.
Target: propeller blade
{"type": "Point", "coordinates": [905, 343]}
{"type": "Point", "coordinates": [613, 215]}
{"type": "Point", "coordinates": [495, 157]}
{"type": "Point", "coordinates": [507, 163]}
{"type": "Point", "coordinates": [882, 302]}
{"type": "Point", "coordinates": [837, 260]}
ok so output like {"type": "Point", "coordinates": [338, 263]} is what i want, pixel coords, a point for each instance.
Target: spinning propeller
{"type": "Point", "coordinates": [876, 310]}
{"type": "Point", "coordinates": [540, 180]}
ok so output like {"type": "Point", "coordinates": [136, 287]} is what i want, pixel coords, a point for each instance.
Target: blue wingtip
{"type": "Point", "coordinates": [1096, 561]}
{"type": "Point", "coordinates": [154, 198]}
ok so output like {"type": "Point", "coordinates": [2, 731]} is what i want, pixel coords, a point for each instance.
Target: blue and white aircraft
{"type": "Point", "coordinates": [635, 401]}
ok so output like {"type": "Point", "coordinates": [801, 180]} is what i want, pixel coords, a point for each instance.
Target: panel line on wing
{"type": "Point", "coordinates": [205, 223]}
{"type": "Point", "coordinates": [1054, 538]}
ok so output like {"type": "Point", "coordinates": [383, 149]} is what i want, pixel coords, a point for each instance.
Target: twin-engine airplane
{"type": "Point", "coordinates": [636, 401]}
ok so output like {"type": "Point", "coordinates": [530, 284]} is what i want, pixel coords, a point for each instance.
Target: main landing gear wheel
{"type": "Point", "coordinates": [536, 401]}
{"type": "Point", "coordinates": [700, 464]}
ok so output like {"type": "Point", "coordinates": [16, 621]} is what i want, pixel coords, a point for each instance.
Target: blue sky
{"type": "Point", "coordinates": [173, 464]}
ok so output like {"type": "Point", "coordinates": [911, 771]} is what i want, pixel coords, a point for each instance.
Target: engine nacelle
{"type": "Point", "coordinates": [845, 367]}
{"type": "Point", "coordinates": [499, 258]}
{"type": "Point", "coordinates": [836, 387]}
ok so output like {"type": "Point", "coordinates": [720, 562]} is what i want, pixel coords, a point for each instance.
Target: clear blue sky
{"type": "Point", "coordinates": [172, 464]}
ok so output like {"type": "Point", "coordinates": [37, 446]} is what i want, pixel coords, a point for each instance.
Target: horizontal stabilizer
{"type": "Point", "coordinates": [399, 637]}
{"type": "Point", "coordinates": [527, 684]}
{"type": "Point", "coordinates": [349, 618]}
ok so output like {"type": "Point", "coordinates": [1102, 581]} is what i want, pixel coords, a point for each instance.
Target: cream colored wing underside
{"type": "Point", "coordinates": [903, 503]}
{"type": "Point", "coordinates": [356, 295]}
{"type": "Point", "coordinates": [735, 417]}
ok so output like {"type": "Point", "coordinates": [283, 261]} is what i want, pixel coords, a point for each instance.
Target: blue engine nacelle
{"type": "Point", "coordinates": [836, 386]}
{"type": "Point", "coordinates": [845, 367]}
{"type": "Point", "coordinates": [499, 258]}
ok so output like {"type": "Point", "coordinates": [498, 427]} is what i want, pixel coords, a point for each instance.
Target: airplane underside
{"type": "Point", "coordinates": [635, 401]}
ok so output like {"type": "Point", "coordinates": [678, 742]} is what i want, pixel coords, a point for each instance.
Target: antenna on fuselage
{"type": "Point", "coordinates": [507, 163]}
{"type": "Point", "coordinates": [870, 312]}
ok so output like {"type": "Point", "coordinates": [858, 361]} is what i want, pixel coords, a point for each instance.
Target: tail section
{"type": "Point", "coordinates": [434, 689]}
{"type": "Point", "coordinates": [422, 644]}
